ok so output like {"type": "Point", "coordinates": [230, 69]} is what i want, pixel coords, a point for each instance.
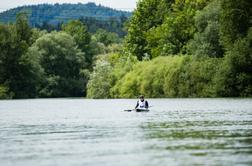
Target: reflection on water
{"type": "Point", "coordinates": [99, 132]}
{"type": "Point", "coordinates": [201, 136]}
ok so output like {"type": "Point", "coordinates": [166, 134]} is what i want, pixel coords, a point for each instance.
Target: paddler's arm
{"type": "Point", "coordinates": [146, 104]}
{"type": "Point", "coordinates": [137, 105]}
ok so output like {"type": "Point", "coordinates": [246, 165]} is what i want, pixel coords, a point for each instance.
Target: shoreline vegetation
{"type": "Point", "coordinates": [133, 99]}
{"type": "Point", "coordinates": [173, 49]}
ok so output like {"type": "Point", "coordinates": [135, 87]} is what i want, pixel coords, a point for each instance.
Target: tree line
{"type": "Point", "coordinates": [114, 25]}
{"type": "Point", "coordinates": [57, 13]}
{"type": "Point", "coordinates": [35, 63]}
{"type": "Point", "coordinates": [52, 17]}
{"type": "Point", "coordinates": [173, 48]}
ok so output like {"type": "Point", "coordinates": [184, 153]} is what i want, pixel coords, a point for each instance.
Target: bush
{"type": "Point", "coordinates": [194, 78]}
{"type": "Point", "coordinates": [108, 70]}
{"type": "Point", "coordinates": [177, 76]}
{"type": "Point", "coordinates": [4, 92]}
{"type": "Point", "coordinates": [100, 80]}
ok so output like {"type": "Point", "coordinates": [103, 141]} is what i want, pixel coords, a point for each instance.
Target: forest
{"type": "Point", "coordinates": [58, 13]}
{"type": "Point", "coordinates": [173, 48]}
{"type": "Point", "coordinates": [51, 17]}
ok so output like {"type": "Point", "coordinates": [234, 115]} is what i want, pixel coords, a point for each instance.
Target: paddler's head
{"type": "Point", "coordinates": [141, 97]}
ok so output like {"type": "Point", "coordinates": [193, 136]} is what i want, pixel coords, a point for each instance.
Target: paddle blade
{"type": "Point", "coordinates": [128, 110]}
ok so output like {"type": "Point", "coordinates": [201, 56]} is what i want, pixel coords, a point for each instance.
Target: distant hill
{"type": "Point", "coordinates": [58, 13]}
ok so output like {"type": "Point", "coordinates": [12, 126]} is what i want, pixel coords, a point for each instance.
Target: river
{"type": "Point", "coordinates": [78, 132]}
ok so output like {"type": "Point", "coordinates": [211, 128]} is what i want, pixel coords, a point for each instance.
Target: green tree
{"type": "Point", "coordinates": [109, 69]}
{"type": "Point", "coordinates": [105, 37]}
{"type": "Point", "coordinates": [206, 39]}
{"type": "Point", "coordinates": [235, 20]}
{"type": "Point", "coordinates": [235, 77]}
{"type": "Point", "coordinates": [4, 92]}
{"type": "Point", "coordinates": [36, 33]}
{"type": "Point", "coordinates": [81, 36]}
{"type": "Point", "coordinates": [63, 64]}
{"type": "Point", "coordinates": [176, 30]}
{"type": "Point", "coordinates": [23, 29]}
{"type": "Point", "coordinates": [18, 71]}
{"type": "Point", "coordinates": [149, 14]}
{"type": "Point", "coordinates": [162, 27]}
{"type": "Point", "coordinates": [100, 80]}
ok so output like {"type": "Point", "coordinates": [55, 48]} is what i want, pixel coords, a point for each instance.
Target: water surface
{"type": "Point", "coordinates": [79, 132]}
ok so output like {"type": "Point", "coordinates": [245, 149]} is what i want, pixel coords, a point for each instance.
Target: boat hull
{"type": "Point", "coordinates": [138, 110]}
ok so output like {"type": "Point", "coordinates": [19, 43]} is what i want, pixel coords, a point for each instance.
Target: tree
{"type": "Point", "coordinates": [19, 72]}
{"type": "Point", "coordinates": [100, 80]}
{"type": "Point", "coordinates": [235, 20]}
{"type": "Point", "coordinates": [109, 70]}
{"type": "Point", "coordinates": [235, 77]}
{"type": "Point", "coordinates": [63, 64]}
{"type": "Point", "coordinates": [162, 27]}
{"type": "Point", "coordinates": [22, 27]}
{"type": "Point", "coordinates": [206, 39]}
{"type": "Point", "coordinates": [4, 92]}
{"type": "Point", "coordinates": [177, 29]}
{"type": "Point", "coordinates": [105, 37]}
{"type": "Point", "coordinates": [149, 14]}
{"type": "Point", "coordinates": [81, 36]}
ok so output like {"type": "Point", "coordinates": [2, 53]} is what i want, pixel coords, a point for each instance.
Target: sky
{"type": "Point", "coordinates": [128, 5]}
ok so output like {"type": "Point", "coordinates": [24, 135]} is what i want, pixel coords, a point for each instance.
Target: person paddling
{"type": "Point", "coordinates": [141, 103]}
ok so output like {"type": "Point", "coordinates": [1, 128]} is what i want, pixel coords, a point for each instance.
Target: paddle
{"type": "Point", "coordinates": [129, 110]}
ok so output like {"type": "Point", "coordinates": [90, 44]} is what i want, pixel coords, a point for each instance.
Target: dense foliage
{"type": "Point", "coordinates": [161, 27]}
{"type": "Point", "coordinates": [19, 73]}
{"type": "Point", "coordinates": [111, 25]}
{"type": "Point", "coordinates": [174, 48]}
{"type": "Point", "coordinates": [62, 63]}
{"type": "Point", "coordinates": [109, 69]}
{"type": "Point", "coordinates": [197, 48]}
{"type": "Point", "coordinates": [36, 63]}
{"type": "Point", "coordinates": [177, 76]}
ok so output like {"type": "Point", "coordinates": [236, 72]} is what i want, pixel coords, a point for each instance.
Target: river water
{"type": "Point", "coordinates": [78, 132]}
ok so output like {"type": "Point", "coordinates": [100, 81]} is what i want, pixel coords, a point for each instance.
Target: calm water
{"type": "Point", "coordinates": [78, 132]}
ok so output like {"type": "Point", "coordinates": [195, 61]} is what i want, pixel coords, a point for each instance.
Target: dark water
{"type": "Point", "coordinates": [80, 132]}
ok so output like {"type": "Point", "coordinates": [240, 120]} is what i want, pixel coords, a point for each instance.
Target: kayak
{"type": "Point", "coordinates": [139, 110]}
{"type": "Point", "coordinates": [142, 110]}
